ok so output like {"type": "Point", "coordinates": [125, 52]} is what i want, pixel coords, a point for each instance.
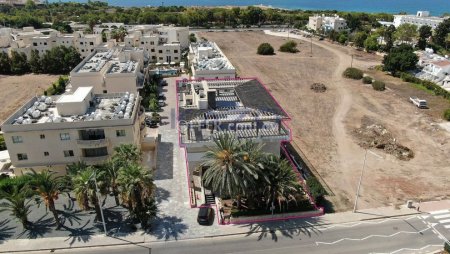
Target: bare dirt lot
{"type": "Point", "coordinates": [324, 124]}
{"type": "Point", "coordinates": [16, 90]}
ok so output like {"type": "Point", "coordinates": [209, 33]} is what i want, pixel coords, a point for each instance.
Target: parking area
{"type": "Point", "coordinates": [176, 219]}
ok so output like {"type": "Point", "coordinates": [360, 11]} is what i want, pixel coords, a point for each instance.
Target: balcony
{"type": "Point", "coordinates": [92, 143]}
{"type": "Point", "coordinates": [94, 160]}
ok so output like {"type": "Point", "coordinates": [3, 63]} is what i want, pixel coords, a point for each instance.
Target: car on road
{"type": "Point", "coordinates": [205, 216]}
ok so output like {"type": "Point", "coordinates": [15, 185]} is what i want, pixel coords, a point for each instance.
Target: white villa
{"type": "Point", "coordinates": [327, 23]}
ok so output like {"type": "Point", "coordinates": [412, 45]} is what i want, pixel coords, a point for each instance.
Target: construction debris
{"type": "Point", "coordinates": [374, 135]}
{"type": "Point", "coordinates": [318, 87]}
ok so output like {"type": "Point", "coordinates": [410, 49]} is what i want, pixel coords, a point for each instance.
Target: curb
{"type": "Point", "coordinates": [204, 237]}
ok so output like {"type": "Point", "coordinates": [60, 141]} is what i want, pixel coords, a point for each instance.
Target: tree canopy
{"type": "Point", "coordinates": [401, 58]}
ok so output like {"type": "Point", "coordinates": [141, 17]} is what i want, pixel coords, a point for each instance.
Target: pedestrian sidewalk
{"type": "Point", "coordinates": [23, 245]}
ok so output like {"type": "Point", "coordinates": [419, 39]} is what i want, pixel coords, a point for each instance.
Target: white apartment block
{"type": "Point", "coordinates": [435, 68]}
{"type": "Point", "coordinates": [209, 62]}
{"type": "Point", "coordinates": [81, 126]}
{"type": "Point", "coordinates": [422, 18]}
{"type": "Point", "coordinates": [327, 23]}
{"type": "Point", "coordinates": [239, 107]}
{"type": "Point", "coordinates": [117, 70]}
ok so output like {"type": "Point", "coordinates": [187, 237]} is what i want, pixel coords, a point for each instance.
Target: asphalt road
{"type": "Point", "coordinates": [405, 235]}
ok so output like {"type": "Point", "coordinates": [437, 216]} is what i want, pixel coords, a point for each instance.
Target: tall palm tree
{"type": "Point", "coordinates": [111, 171]}
{"type": "Point", "coordinates": [119, 33]}
{"type": "Point", "coordinates": [231, 169]}
{"type": "Point", "coordinates": [47, 185]}
{"type": "Point", "coordinates": [137, 189]}
{"type": "Point", "coordinates": [17, 201]}
{"type": "Point", "coordinates": [282, 182]}
{"type": "Point", "coordinates": [85, 189]}
{"type": "Point", "coordinates": [126, 153]}
{"type": "Point", "coordinates": [72, 171]}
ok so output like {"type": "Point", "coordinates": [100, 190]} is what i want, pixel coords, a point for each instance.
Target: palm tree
{"type": "Point", "coordinates": [111, 171]}
{"type": "Point", "coordinates": [17, 201]}
{"type": "Point", "coordinates": [126, 154]}
{"type": "Point", "coordinates": [48, 186]}
{"type": "Point", "coordinates": [136, 189]}
{"type": "Point", "coordinates": [85, 189]}
{"type": "Point", "coordinates": [119, 33]}
{"type": "Point", "coordinates": [282, 182]}
{"type": "Point", "coordinates": [231, 170]}
{"type": "Point", "coordinates": [72, 171]}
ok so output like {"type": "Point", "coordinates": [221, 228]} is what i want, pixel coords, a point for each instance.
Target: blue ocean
{"type": "Point", "coordinates": [436, 7]}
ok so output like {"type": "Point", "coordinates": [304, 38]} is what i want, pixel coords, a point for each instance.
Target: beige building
{"type": "Point", "coordinates": [114, 71]}
{"type": "Point", "coordinates": [239, 107]}
{"type": "Point", "coordinates": [82, 126]}
{"type": "Point", "coordinates": [326, 23]}
{"type": "Point", "coordinates": [209, 62]}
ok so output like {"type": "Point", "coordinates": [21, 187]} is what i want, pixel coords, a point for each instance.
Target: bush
{"type": "Point", "coordinates": [2, 143]}
{"type": "Point", "coordinates": [447, 247]}
{"type": "Point", "coordinates": [378, 85]}
{"type": "Point", "coordinates": [315, 188]}
{"type": "Point", "coordinates": [367, 80]}
{"type": "Point", "coordinates": [447, 114]}
{"type": "Point", "coordinates": [353, 73]}
{"type": "Point", "coordinates": [265, 49]}
{"type": "Point", "coordinates": [59, 87]}
{"type": "Point", "coordinates": [289, 47]}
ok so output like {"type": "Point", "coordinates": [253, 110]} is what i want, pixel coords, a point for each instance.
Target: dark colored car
{"type": "Point", "coordinates": [205, 216]}
{"type": "Point", "coordinates": [163, 83]}
{"type": "Point", "coordinates": [321, 38]}
{"type": "Point", "coordinates": [162, 97]}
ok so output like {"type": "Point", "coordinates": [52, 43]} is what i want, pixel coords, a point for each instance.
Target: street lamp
{"type": "Point", "coordinates": [360, 177]}
{"type": "Point", "coordinates": [98, 200]}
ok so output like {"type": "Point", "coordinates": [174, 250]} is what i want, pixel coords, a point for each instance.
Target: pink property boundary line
{"type": "Point", "coordinates": [282, 142]}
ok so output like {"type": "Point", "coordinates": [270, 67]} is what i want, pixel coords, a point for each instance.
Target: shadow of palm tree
{"type": "Point", "coordinates": [288, 229]}
{"type": "Point", "coordinates": [161, 195]}
{"type": "Point", "coordinates": [6, 231]}
{"type": "Point", "coordinates": [71, 216]}
{"type": "Point", "coordinates": [169, 227]}
{"type": "Point", "coordinates": [81, 234]}
{"type": "Point", "coordinates": [38, 228]}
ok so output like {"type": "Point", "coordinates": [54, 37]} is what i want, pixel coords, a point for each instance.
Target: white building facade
{"type": "Point", "coordinates": [326, 23]}
{"type": "Point", "coordinates": [422, 18]}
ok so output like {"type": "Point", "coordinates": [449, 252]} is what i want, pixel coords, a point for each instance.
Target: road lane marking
{"type": "Point", "coordinates": [444, 221]}
{"type": "Point", "coordinates": [370, 236]}
{"type": "Point", "coordinates": [439, 212]}
{"type": "Point", "coordinates": [408, 249]}
{"type": "Point", "coordinates": [446, 226]}
{"type": "Point", "coordinates": [357, 223]}
{"type": "Point", "coordinates": [442, 216]}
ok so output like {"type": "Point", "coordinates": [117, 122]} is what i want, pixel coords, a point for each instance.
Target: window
{"type": "Point", "coordinates": [82, 50]}
{"type": "Point", "coordinates": [81, 43]}
{"type": "Point", "coordinates": [153, 50]}
{"type": "Point", "coordinates": [91, 43]}
{"type": "Point", "coordinates": [175, 51]}
{"type": "Point", "coordinates": [152, 43]}
{"type": "Point", "coordinates": [120, 133]}
{"type": "Point", "coordinates": [176, 58]}
{"type": "Point", "coordinates": [64, 136]}
{"type": "Point", "coordinates": [46, 153]}
{"type": "Point", "coordinates": [160, 58]}
{"type": "Point", "coordinates": [17, 139]}
{"type": "Point", "coordinates": [160, 51]}
{"type": "Point", "coordinates": [105, 91]}
{"type": "Point", "coordinates": [142, 42]}
{"type": "Point", "coordinates": [34, 44]}
{"type": "Point", "coordinates": [22, 156]}
{"type": "Point", "coordinates": [45, 43]}
{"type": "Point", "coordinates": [154, 57]}
{"type": "Point", "coordinates": [68, 153]}
{"type": "Point", "coordinates": [42, 136]}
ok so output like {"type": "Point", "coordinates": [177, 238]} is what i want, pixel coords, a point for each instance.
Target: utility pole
{"type": "Point", "coordinates": [311, 46]}
{"type": "Point", "coordinates": [359, 184]}
{"type": "Point", "coordinates": [351, 63]}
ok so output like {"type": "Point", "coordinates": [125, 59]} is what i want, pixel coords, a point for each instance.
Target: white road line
{"type": "Point", "coordinates": [370, 236]}
{"type": "Point", "coordinates": [444, 221]}
{"type": "Point", "coordinates": [408, 249]}
{"type": "Point", "coordinates": [442, 216]}
{"type": "Point", "coordinates": [439, 212]}
{"type": "Point", "coordinates": [357, 223]}
{"type": "Point", "coordinates": [446, 226]}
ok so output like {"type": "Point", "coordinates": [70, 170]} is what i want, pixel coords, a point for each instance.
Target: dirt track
{"type": "Point", "coordinates": [322, 123]}
{"type": "Point", "coordinates": [16, 90]}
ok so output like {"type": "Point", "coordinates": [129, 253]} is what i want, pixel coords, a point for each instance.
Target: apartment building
{"type": "Point", "coordinates": [327, 23]}
{"type": "Point", "coordinates": [435, 68]}
{"type": "Point", "coordinates": [239, 107]}
{"type": "Point", "coordinates": [117, 70]}
{"type": "Point", "coordinates": [80, 126]}
{"type": "Point", "coordinates": [422, 18]}
{"type": "Point", "coordinates": [160, 43]}
{"type": "Point", "coordinates": [209, 62]}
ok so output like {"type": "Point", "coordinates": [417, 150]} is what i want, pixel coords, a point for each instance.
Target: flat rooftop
{"type": "Point", "coordinates": [99, 60]}
{"type": "Point", "coordinates": [78, 96]}
{"type": "Point", "coordinates": [208, 56]}
{"type": "Point", "coordinates": [103, 107]}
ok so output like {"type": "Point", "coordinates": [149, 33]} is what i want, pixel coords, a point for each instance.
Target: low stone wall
{"type": "Point", "coordinates": [275, 217]}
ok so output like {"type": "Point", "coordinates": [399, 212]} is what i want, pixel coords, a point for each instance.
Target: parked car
{"type": "Point", "coordinates": [420, 103]}
{"type": "Point", "coordinates": [321, 38]}
{"type": "Point", "coordinates": [205, 215]}
{"type": "Point", "coordinates": [161, 103]}
{"type": "Point", "coordinates": [162, 97]}
{"type": "Point", "coordinates": [163, 83]}
{"type": "Point", "coordinates": [150, 123]}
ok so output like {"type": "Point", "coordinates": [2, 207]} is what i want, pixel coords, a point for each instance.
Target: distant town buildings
{"type": "Point", "coordinates": [239, 107]}
{"type": "Point", "coordinates": [79, 126]}
{"type": "Point", "coordinates": [327, 23]}
{"type": "Point", "coordinates": [208, 62]}
{"type": "Point", "coordinates": [18, 2]}
{"type": "Point", "coordinates": [420, 19]}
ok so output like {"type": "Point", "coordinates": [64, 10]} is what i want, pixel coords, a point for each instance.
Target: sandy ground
{"type": "Point", "coordinates": [16, 90]}
{"type": "Point", "coordinates": [322, 123]}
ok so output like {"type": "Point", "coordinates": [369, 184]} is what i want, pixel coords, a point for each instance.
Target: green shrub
{"type": "Point", "coordinates": [2, 143]}
{"type": "Point", "coordinates": [378, 85]}
{"type": "Point", "coordinates": [367, 80]}
{"type": "Point", "coordinates": [265, 49]}
{"type": "Point", "coordinates": [315, 188]}
{"type": "Point", "coordinates": [447, 114]}
{"type": "Point", "coordinates": [437, 90]}
{"type": "Point", "coordinates": [289, 47]}
{"type": "Point", "coordinates": [353, 73]}
{"type": "Point", "coordinates": [447, 247]}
